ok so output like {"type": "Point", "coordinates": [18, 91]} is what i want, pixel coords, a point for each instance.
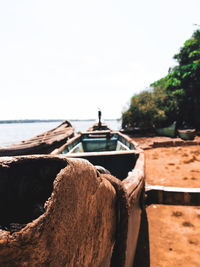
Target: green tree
{"type": "Point", "coordinates": [176, 97]}
{"type": "Point", "coordinates": [183, 82]}
{"type": "Point", "coordinates": [144, 111]}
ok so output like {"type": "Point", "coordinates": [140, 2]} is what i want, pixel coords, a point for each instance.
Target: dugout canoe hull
{"type": "Point", "coordinates": [55, 211]}
{"type": "Point", "coordinates": [41, 144]}
{"type": "Point", "coordinates": [62, 209]}
{"type": "Point", "coordinates": [126, 169]}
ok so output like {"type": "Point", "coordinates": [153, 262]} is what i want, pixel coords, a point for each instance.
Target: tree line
{"type": "Point", "coordinates": [175, 97]}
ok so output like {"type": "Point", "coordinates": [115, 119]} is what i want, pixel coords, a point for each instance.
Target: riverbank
{"type": "Point", "coordinates": [172, 231]}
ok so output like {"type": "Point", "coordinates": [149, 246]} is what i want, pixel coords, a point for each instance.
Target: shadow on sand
{"type": "Point", "coordinates": [142, 256]}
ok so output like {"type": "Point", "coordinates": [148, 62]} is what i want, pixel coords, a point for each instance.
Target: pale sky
{"type": "Point", "coordinates": [62, 59]}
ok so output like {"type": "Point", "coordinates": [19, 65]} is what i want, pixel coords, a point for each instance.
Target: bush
{"type": "Point", "coordinates": [146, 110]}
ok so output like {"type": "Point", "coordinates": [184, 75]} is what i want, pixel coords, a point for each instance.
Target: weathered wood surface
{"type": "Point", "coordinates": [43, 143]}
{"type": "Point", "coordinates": [78, 225]}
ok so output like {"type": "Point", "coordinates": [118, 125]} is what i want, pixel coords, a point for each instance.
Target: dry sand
{"type": "Point", "coordinates": [173, 231]}
{"type": "Point", "coordinates": [174, 235]}
{"type": "Point", "coordinates": [173, 166]}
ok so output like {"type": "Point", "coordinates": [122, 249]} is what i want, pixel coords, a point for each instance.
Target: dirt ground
{"type": "Point", "coordinates": [174, 235]}
{"type": "Point", "coordinates": [173, 166]}
{"type": "Point", "coordinates": [173, 231]}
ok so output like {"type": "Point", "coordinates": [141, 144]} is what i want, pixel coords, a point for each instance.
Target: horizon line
{"type": "Point", "coordinates": [47, 120]}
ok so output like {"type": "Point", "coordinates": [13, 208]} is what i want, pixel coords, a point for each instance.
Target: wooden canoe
{"type": "Point", "coordinates": [64, 210]}
{"type": "Point", "coordinates": [55, 212]}
{"type": "Point", "coordinates": [122, 162]}
{"type": "Point", "coordinates": [43, 143]}
{"type": "Point", "coordinates": [169, 131]}
{"type": "Point", "coordinates": [187, 134]}
{"type": "Point", "coordinates": [99, 127]}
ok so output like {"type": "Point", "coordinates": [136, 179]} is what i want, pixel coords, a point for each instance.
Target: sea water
{"type": "Point", "coordinates": [12, 133]}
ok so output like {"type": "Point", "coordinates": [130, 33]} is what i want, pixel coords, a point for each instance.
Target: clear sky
{"type": "Point", "coordinates": [64, 59]}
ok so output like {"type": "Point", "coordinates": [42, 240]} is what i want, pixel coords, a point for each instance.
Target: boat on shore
{"type": "Point", "coordinates": [169, 131]}
{"type": "Point", "coordinates": [99, 126]}
{"type": "Point", "coordinates": [112, 150]}
{"type": "Point", "coordinates": [79, 206]}
{"type": "Point", "coordinates": [121, 161]}
{"type": "Point", "coordinates": [55, 212]}
{"type": "Point", "coordinates": [187, 134]}
{"type": "Point", "coordinates": [41, 144]}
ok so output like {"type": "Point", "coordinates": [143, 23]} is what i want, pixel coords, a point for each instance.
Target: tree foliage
{"type": "Point", "coordinates": [175, 97]}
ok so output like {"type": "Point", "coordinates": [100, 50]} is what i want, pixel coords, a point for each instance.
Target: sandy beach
{"type": "Point", "coordinates": [172, 231]}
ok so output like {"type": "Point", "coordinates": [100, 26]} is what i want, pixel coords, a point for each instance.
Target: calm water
{"type": "Point", "coordinates": [11, 133]}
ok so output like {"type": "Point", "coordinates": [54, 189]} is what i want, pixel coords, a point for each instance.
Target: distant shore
{"type": "Point", "coordinates": [50, 120]}
{"type": "Point", "coordinates": [26, 121]}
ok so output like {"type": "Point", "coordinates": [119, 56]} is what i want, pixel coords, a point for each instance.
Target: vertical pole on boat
{"type": "Point", "coordinates": [99, 115]}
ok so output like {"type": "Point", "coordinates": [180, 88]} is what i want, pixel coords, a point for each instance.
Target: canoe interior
{"type": "Point", "coordinates": [91, 142]}
{"type": "Point", "coordinates": [25, 186]}
{"type": "Point", "coordinates": [109, 150]}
